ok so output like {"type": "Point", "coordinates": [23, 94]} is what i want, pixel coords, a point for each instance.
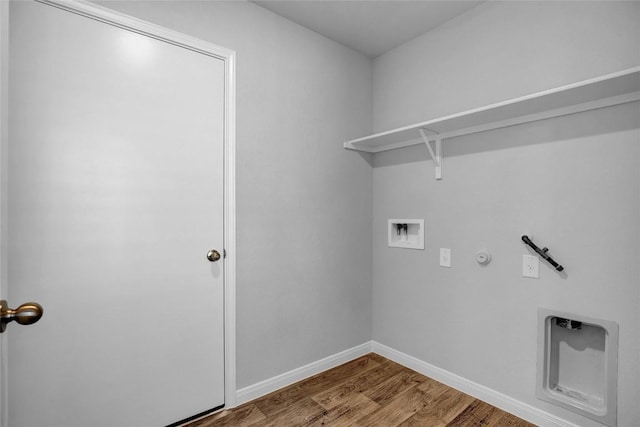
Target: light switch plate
{"type": "Point", "coordinates": [530, 266]}
{"type": "Point", "coordinates": [445, 257]}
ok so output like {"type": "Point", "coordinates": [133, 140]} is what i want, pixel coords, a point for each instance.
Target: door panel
{"type": "Point", "coordinates": [115, 195]}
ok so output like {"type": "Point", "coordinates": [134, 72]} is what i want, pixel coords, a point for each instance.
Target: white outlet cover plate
{"type": "Point", "coordinates": [530, 266]}
{"type": "Point", "coordinates": [445, 257]}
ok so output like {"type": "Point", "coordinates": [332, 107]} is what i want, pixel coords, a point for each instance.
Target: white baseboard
{"type": "Point", "coordinates": [492, 397]}
{"type": "Point", "coordinates": [254, 391]}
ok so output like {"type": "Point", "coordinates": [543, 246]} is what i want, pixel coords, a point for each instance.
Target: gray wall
{"type": "Point", "coordinates": [571, 183]}
{"type": "Point", "coordinates": [303, 203]}
{"type": "Point", "coordinates": [502, 50]}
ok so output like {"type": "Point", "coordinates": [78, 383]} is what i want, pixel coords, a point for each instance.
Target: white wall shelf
{"type": "Point", "coordinates": [604, 91]}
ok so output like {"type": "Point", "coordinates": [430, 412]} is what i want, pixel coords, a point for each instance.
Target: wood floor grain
{"type": "Point", "coordinates": [370, 391]}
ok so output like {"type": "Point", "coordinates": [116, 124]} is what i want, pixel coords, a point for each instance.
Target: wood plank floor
{"type": "Point", "coordinates": [368, 391]}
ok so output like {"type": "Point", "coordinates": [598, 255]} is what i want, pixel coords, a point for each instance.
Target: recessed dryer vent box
{"type": "Point", "coordinates": [406, 233]}
{"type": "Point", "coordinates": [578, 364]}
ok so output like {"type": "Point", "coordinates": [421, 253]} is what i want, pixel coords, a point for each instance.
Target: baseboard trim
{"type": "Point", "coordinates": [486, 394]}
{"type": "Point", "coordinates": [492, 397]}
{"type": "Point", "coordinates": [254, 391]}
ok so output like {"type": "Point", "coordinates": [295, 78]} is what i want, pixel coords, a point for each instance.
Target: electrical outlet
{"type": "Point", "coordinates": [530, 266]}
{"type": "Point", "coordinates": [445, 257]}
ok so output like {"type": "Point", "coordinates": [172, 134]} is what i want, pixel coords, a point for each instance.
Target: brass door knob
{"type": "Point", "coordinates": [27, 314]}
{"type": "Point", "coordinates": [213, 255]}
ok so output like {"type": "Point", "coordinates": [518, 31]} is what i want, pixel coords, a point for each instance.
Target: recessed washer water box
{"type": "Point", "coordinates": [578, 364]}
{"type": "Point", "coordinates": [406, 233]}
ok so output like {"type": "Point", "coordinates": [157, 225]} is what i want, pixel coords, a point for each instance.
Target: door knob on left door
{"type": "Point", "coordinates": [27, 314]}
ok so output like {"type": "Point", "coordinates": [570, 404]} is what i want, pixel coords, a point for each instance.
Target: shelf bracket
{"type": "Point", "coordinates": [436, 156]}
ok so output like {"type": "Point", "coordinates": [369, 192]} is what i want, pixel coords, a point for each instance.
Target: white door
{"type": "Point", "coordinates": [115, 196]}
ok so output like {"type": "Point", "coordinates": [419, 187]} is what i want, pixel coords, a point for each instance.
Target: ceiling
{"type": "Point", "coordinates": [369, 26]}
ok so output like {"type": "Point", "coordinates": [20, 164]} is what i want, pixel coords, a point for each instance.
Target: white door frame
{"type": "Point", "coordinates": [4, 103]}
{"type": "Point", "coordinates": [117, 19]}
